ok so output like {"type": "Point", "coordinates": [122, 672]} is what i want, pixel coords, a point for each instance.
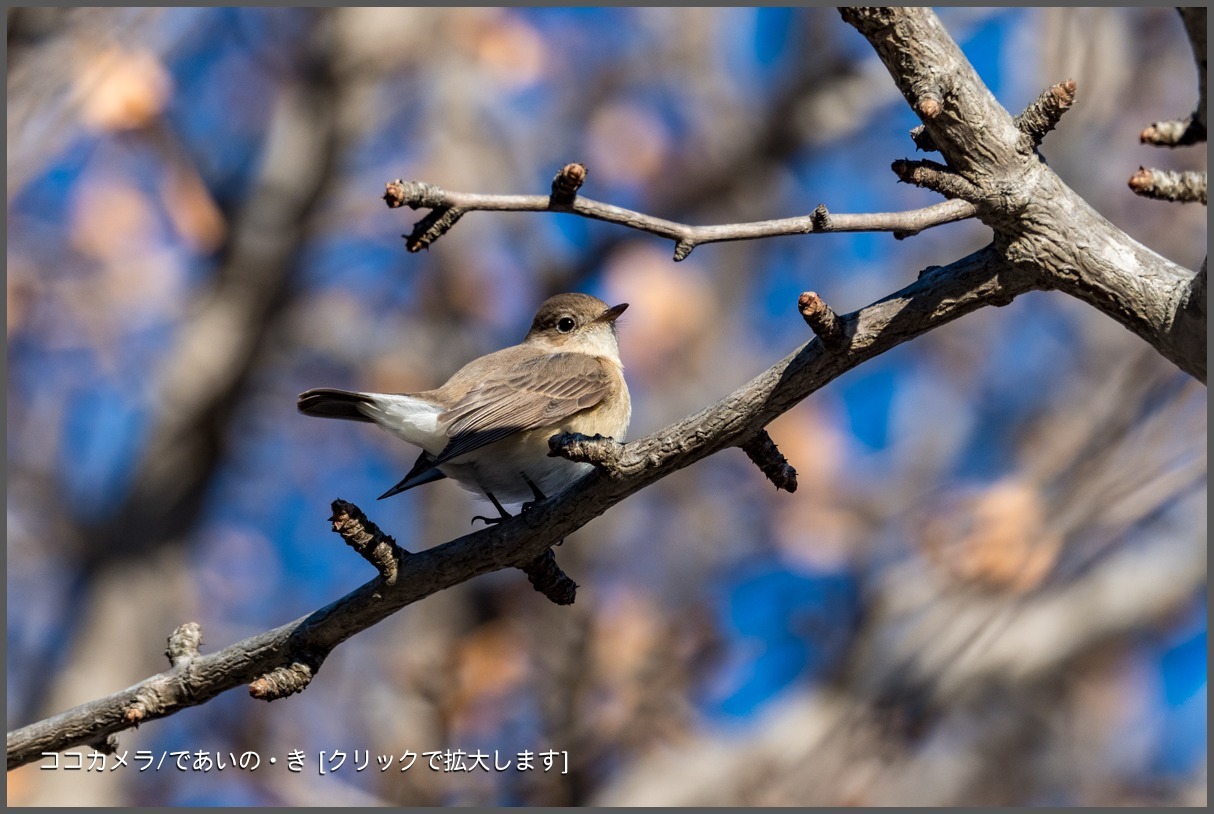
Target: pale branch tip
{"type": "Point", "coordinates": [1175, 133]}
{"type": "Point", "coordinates": [548, 579]}
{"type": "Point", "coordinates": [371, 543]}
{"type": "Point", "coordinates": [184, 643]}
{"type": "Point", "coordinates": [764, 454]}
{"type": "Point", "coordinates": [822, 320]}
{"type": "Point", "coordinates": [1166, 185]}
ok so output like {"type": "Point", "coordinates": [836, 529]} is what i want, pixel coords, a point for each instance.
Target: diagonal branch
{"type": "Point", "coordinates": [940, 295]}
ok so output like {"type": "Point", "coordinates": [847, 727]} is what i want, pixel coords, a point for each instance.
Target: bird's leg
{"type": "Point", "coordinates": [535, 490]}
{"type": "Point", "coordinates": [492, 521]}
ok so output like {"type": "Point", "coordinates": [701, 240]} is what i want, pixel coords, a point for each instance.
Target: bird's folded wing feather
{"type": "Point", "coordinates": [537, 393]}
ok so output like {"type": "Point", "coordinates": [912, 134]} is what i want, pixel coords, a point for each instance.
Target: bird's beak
{"type": "Point", "coordinates": [612, 313]}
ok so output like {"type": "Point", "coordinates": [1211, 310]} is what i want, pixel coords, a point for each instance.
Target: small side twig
{"type": "Point", "coordinates": [822, 320]}
{"type": "Point", "coordinates": [567, 182]}
{"type": "Point", "coordinates": [764, 454]}
{"type": "Point", "coordinates": [1175, 133]}
{"type": "Point", "coordinates": [596, 449]}
{"type": "Point", "coordinates": [1192, 128]}
{"type": "Point", "coordinates": [936, 177]}
{"type": "Point", "coordinates": [284, 681]}
{"type": "Point", "coordinates": [431, 228]}
{"type": "Point", "coordinates": [184, 644]}
{"type": "Point", "coordinates": [368, 540]}
{"type": "Point", "coordinates": [1165, 185]}
{"type": "Point", "coordinates": [923, 139]}
{"type": "Point", "coordinates": [1046, 111]}
{"type": "Point", "coordinates": [547, 577]}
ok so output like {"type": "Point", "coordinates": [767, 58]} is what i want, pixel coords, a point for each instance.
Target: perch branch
{"type": "Point", "coordinates": [939, 296]}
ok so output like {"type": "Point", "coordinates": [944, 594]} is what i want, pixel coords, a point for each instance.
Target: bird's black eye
{"type": "Point", "coordinates": [565, 324]}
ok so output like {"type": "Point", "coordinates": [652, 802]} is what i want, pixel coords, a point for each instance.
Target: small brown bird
{"type": "Point", "coordinates": [488, 427]}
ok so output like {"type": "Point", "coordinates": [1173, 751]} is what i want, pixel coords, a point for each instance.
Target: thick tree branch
{"type": "Point", "coordinates": [939, 296]}
{"type": "Point", "coordinates": [420, 195]}
{"type": "Point", "coordinates": [1040, 224]}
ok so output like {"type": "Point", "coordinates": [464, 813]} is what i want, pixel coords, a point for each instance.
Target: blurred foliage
{"type": "Point", "coordinates": [989, 588]}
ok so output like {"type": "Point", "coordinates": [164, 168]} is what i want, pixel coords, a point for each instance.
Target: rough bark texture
{"type": "Point", "coordinates": [1040, 224]}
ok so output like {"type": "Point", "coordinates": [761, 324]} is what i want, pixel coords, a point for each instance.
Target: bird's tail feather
{"type": "Point", "coordinates": [325, 402]}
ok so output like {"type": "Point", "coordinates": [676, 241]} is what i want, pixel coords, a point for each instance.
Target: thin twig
{"type": "Point", "coordinates": [764, 454]}
{"type": "Point", "coordinates": [419, 195]}
{"type": "Point", "coordinates": [1165, 185]}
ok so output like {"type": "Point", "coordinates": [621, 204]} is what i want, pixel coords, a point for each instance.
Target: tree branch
{"type": "Point", "coordinates": [449, 206]}
{"type": "Point", "coordinates": [1192, 128]}
{"type": "Point", "coordinates": [1035, 216]}
{"type": "Point", "coordinates": [940, 295]}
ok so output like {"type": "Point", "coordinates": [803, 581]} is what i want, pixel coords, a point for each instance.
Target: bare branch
{"type": "Point", "coordinates": [1192, 128]}
{"type": "Point", "coordinates": [1166, 185]}
{"type": "Point", "coordinates": [935, 176]}
{"type": "Point", "coordinates": [421, 195]}
{"type": "Point", "coordinates": [822, 320]}
{"type": "Point", "coordinates": [430, 228]}
{"type": "Point", "coordinates": [184, 643]}
{"type": "Point", "coordinates": [567, 182]}
{"type": "Point", "coordinates": [283, 681]}
{"type": "Point", "coordinates": [547, 577]}
{"type": "Point", "coordinates": [1035, 121]}
{"type": "Point", "coordinates": [1046, 111]}
{"type": "Point", "coordinates": [1174, 133]}
{"type": "Point", "coordinates": [992, 164]}
{"type": "Point", "coordinates": [939, 296]}
{"type": "Point", "coordinates": [971, 130]}
{"type": "Point", "coordinates": [368, 540]}
{"type": "Point", "coordinates": [764, 454]}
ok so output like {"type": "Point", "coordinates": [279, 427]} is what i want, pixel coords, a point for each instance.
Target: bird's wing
{"type": "Point", "coordinates": [537, 393]}
{"type": "Point", "coordinates": [423, 472]}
